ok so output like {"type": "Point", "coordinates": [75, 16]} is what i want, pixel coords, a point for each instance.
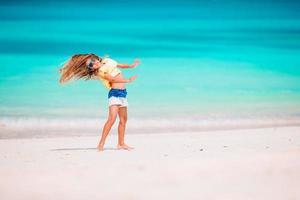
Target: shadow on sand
{"type": "Point", "coordinates": [82, 149]}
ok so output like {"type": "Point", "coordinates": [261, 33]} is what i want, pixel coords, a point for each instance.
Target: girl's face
{"type": "Point", "coordinates": [95, 62]}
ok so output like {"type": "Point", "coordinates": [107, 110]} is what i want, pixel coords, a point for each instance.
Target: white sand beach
{"type": "Point", "coordinates": [233, 164]}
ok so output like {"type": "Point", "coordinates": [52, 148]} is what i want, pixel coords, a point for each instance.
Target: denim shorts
{"type": "Point", "coordinates": [117, 97]}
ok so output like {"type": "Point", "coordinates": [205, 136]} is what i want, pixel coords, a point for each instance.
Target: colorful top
{"type": "Point", "coordinates": [109, 67]}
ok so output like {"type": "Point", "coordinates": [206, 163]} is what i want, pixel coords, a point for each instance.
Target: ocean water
{"type": "Point", "coordinates": [204, 65]}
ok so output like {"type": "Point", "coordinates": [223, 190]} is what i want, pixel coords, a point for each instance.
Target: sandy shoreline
{"type": "Point", "coordinates": [232, 164]}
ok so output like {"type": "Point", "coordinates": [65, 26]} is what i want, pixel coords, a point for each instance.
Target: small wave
{"type": "Point", "coordinates": [16, 127]}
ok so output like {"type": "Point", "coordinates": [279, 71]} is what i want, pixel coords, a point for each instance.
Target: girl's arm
{"type": "Point", "coordinates": [136, 62]}
{"type": "Point", "coordinates": [118, 79]}
{"type": "Point", "coordinates": [120, 65]}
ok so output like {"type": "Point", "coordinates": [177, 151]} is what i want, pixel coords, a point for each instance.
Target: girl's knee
{"type": "Point", "coordinates": [123, 121]}
{"type": "Point", "coordinates": [111, 120]}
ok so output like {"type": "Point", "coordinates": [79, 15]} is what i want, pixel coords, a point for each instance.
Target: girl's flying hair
{"type": "Point", "coordinates": [76, 68]}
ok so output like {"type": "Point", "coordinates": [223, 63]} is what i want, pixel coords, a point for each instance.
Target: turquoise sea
{"type": "Point", "coordinates": [205, 65]}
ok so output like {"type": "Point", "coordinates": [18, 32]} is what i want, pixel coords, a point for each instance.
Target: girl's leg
{"type": "Point", "coordinates": [122, 124]}
{"type": "Point", "coordinates": [113, 112]}
{"type": "Point", "coordinates": [121, 128]}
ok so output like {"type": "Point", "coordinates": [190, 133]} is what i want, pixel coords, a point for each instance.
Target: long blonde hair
{"type": "Point", "coordinates": [76, 68]}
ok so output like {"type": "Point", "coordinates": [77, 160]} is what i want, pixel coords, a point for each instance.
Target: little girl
{"type": "Point", "coordinates": [91, 66]}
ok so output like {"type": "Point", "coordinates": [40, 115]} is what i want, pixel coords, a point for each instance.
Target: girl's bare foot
{"type": "Point", "coordinates": [100, 147]}
{"type": "Point", "coordinates": [125, 146]}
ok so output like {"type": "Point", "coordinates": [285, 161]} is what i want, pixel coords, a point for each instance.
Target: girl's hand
{"type": "Point", "coordinates": [132, 78]}
{"type": "Point", "coordinates": [135, 63]}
